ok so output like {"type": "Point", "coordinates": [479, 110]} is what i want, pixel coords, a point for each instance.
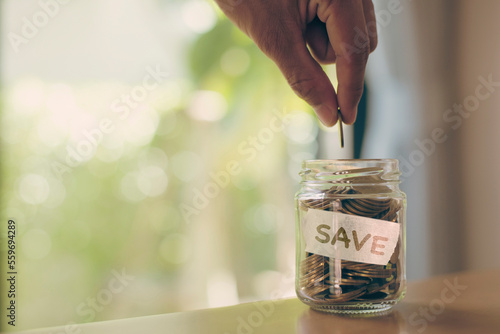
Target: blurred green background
{"type": "Point", "coordinates": [187, 192]}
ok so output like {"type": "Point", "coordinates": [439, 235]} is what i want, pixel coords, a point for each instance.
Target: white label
{"type": "Point", "coordinates": [349, 237]}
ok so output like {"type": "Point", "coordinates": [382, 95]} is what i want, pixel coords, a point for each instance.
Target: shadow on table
{"type": "Point", "coordinates": [406, 318]}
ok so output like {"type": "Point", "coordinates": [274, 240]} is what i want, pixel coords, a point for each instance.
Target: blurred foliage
{"type": "Point", "coordinates": [121, 208]}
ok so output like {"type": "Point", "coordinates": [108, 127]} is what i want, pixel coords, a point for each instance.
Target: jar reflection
{"type": "Point", "coordinates": [314, 322]}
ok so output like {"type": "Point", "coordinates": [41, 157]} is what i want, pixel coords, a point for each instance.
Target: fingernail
{"type": "Point", "coordinates": [326, 115]}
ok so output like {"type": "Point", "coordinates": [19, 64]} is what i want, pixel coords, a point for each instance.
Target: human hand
{"type": "Point", "coordinates": [337, 31]}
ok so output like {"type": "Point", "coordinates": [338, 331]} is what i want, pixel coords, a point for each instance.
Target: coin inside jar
{"type": "Point", "coordinates": [352, 281]}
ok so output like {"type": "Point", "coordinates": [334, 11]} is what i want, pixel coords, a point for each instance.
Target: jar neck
{"type": "Point", "coordinates": [359, 173]}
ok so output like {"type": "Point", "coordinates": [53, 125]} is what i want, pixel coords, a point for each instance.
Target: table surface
{"type": "Point", "coordinates": [467, 302]}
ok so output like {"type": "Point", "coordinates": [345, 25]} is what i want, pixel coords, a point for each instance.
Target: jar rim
{"type": "Point", "coordinates": [356, 171]}
{"type": "Point", "coordinates": [387, 160]}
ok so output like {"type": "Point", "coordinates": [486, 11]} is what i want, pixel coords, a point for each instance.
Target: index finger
{"type": "Point", "coordinates": [347, 32]}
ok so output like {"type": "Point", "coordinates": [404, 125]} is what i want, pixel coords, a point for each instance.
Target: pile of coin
{"type": "Point", "coordinates": [328, 280]}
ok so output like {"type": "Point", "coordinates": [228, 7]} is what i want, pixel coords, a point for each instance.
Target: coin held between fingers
{"type": "Point", "coordinates": [341, 129]}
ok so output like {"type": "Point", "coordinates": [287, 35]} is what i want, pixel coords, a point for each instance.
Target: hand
{"type": "Point", "coordinates": [336, 31]}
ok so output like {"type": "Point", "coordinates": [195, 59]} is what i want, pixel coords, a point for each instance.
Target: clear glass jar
{"type": "Point", "coordinates": [350, 231]}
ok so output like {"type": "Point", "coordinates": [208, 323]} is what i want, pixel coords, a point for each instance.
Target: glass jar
{"type": "Point", "coordinates": [350, 232]}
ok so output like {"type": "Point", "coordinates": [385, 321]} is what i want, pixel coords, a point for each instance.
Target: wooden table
{"type": "Point", "coordinates": [458, 303]}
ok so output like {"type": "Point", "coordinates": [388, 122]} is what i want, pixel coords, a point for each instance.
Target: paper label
{"type": "Point", "coordinates": [349, 237]}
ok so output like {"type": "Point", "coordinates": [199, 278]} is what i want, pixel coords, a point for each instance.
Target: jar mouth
{"type": "Point", "coordinates": [351, 171]}
{"type": "Point", "coordinates": [328, 161]}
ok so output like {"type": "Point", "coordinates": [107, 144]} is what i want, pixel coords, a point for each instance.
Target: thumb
{"type": "Point", "coordinates": [308, 80]}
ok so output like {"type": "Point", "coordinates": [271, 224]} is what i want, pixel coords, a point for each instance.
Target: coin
{"type": "Point", "coordinates": [341, 129]}
{"type": "Point", "coordinates": [372, 288]}
{"type": "Point", "coordinates": [346, 296]}
{"type": "Point", "coordinates": [375, 295]}
{"type": "Point", "coordinates": [314, 291]}
{"type": "Point", "coordinates": [314, 279]}
{"type": "Point", "coordinates": [350, 281]}
{"type": "Point", "coordinates": [328, 298]}
{"type": "Point", "coordinates": [369, 274]}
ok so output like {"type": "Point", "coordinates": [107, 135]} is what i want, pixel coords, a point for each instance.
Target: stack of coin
{"type": "Point", "coordinates": [327, 280]}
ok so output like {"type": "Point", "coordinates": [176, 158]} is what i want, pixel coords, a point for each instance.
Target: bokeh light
{"type": "Point", "coordinates": [198, 16]}
{"type": "Point", "coordinates": [187, 165]}
{"type": "Point", "coordinates": [27, 96]}
{"type": "Point", "coordinates": [36, 244]}
{"type": "Point", "coordinates": [129, 187]}
{"type": "Point", "coordinates": [235, 61]}
{"type": "Point", "coordinates": [207, 106]}
{"type": "Point", "coordinates": [302, 128]}
{"type": "Point", "coordinates": [152, 181]}
{"type": "Point", "coordinates": [264, 219]}
{"type": "Point", "coordinates": [34, 189]}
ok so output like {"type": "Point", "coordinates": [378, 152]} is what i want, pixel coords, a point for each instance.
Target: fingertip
{"type": "Point", "coordinates": [349, 115]}
{"type": "Point", "coordinates": [348, 102]}
{"type": "Point", "coordinates": [326, 115]}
